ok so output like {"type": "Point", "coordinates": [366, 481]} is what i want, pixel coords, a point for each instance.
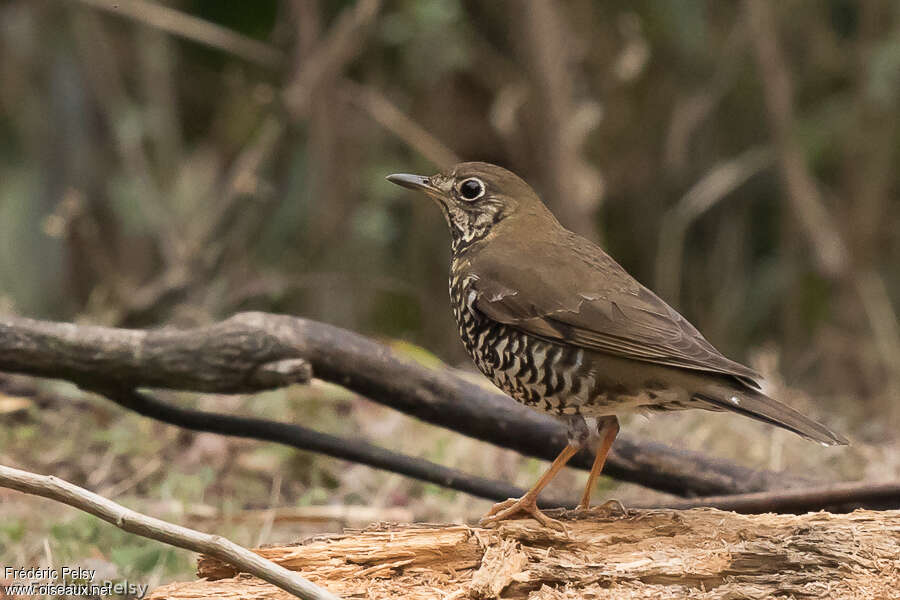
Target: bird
{"type": "Point", "coordinates": [557, 324]}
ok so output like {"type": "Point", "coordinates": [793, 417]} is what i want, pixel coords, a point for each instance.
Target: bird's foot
{"type": "Point", "coordinates": [526, 504]}
{"type": "Point", "coordinates": [607, 509]}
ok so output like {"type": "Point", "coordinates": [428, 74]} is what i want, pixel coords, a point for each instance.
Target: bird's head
{"type": "Point", "coordinates": [476, 197]}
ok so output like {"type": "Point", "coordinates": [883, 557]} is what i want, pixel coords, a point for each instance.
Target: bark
{"type": "Point", "coordinates": [699, 553]}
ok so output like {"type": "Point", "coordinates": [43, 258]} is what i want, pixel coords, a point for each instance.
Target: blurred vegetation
{"type": "Point", "coordinates": [741, 158]}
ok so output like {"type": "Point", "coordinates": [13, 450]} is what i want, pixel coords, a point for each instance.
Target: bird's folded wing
{"type": "Point", "coordinates": [590, 301]}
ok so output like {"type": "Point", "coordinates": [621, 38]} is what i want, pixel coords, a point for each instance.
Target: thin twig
{"type": "Point", "coordinates": [194, 29]}
{"type": "Point", "coordinates": [689, 113]}
{"type": "Point", "coordinates": [343, 42]}
{"type": "Point", "coordinates": [885, 325]}
{"type": "Point", "coordinates": [829, 249]}
{"type": "Point", "coordinates": [385, 113]}
{"type": "Point", "coordinates": [134, 522]}
{"type": "Point", "coordinates": [106, 79]}
{"type": "Point", "coordinates": [340, 46]}
{"type": "Point", "coordinates": [829, 246]}
{"type": "Point", "coordinates": [241, 180]}
{"type": "Point", "coordinates": [574, 187]}
{"type": "Point", "coordinates": [721, 180]}
{"type": "Point", "coordinates": [209, 240]}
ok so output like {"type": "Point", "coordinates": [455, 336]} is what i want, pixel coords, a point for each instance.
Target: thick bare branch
{"type": "Point", "coordinates": [247, 352]}
{"type": "Point", "coordinates": [219, 358]}
{"type": "Point", "coordinates": [157, 529]}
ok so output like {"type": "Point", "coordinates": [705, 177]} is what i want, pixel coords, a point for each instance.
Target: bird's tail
{"type": "Point", "coordinates": [757, 405]}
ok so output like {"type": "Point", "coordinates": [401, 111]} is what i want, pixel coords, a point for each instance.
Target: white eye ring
{"type": "Point", "coordinates": [466, 183]}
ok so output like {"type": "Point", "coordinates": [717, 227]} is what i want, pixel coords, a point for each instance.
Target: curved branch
{"type": "Point", "coordinates": [157, 529]}
{"type": "Point", "coordinates": [253, 351]}
{"type": "Point", "coordinates": [304, 438]}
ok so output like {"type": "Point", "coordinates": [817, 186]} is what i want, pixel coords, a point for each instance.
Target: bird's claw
{"type": "Point", "coordinates": [499, 507]}
{"type": "Point", "coordinates": [528, 505]}
{"type": "Point", "coordinates": [607, 509]}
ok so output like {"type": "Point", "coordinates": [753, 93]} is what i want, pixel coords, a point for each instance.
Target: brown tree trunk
{"type": "Point", "coordinates": [699, 553]}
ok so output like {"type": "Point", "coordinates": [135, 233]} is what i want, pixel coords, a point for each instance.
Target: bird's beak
{"type": "Point", "coordinates": [415, 182]}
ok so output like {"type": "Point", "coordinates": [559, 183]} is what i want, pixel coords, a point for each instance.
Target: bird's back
{"type": "Point", "coordinates": [571, 332]}
{"type": "Point", "coordinates": [559, 325]}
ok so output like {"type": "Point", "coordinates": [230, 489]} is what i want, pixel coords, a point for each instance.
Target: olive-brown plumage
{"type": "Point", "coordinates": [557, 324]}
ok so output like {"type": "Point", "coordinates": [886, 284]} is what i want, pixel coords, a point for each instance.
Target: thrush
{"type": "Point", "coordinates": [558, 325]}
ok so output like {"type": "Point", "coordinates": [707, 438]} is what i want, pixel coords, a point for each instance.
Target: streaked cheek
{"type": "Point", "coordinates": [484, 219]}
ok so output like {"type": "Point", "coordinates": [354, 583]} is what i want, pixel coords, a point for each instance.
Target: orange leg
{"type": "Point", "coordinates": [528, 503]}
{"type": "Point", "coordinates": [609, 429]}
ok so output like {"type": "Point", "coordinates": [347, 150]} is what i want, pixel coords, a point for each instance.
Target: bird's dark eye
{"type": "Point", "coordinates": [471, 189]}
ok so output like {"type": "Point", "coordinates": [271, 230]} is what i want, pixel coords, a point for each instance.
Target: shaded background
{"type": "Point", "coordinates": [174, 163]}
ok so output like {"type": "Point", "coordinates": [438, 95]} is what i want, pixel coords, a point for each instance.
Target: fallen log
{"type": "Point", "coordinates": [700, 553]}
